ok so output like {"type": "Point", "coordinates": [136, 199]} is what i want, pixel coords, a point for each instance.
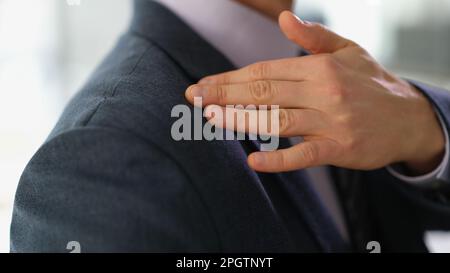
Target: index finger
{"type": "Point", "coordinates": [291, 69]}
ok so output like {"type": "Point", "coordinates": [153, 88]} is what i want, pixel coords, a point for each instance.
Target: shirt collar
{"type": "Point", "coordinates": [241, 34]}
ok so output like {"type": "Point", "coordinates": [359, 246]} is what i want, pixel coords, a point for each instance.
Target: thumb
{"type": "Point", "coordinates": [313, 37]}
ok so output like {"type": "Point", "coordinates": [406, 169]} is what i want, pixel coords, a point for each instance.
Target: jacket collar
{"type": "Point", "coordinates": [196, 57]}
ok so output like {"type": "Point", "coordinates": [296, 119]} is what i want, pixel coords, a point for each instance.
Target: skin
{"type": "Point", "coordinates": [351, 112]}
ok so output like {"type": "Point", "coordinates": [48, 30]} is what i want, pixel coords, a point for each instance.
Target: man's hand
{"type": "Point", "coordinates": [350, 111]}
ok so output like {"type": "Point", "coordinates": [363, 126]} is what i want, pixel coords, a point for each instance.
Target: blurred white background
{"type": "Point", "coordinates": [48, 48]}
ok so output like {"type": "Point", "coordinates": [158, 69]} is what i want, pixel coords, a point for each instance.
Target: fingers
{"type": "Point", "coordinates": [281, 93]}
{"type": "Point", "coordinates": [277, 122]}
{"type": "Point", "coordinates": [313, 37]}
{"type": "Point", "coordinates": [302, 156]}
{"type": "Point", "coordinates": [290, 69]}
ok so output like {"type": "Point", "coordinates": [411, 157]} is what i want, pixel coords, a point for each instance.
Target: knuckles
{"type": "Point", "coordinates": [348, 126]}
{"type": "Point", "coordinates": [221, 94]}
{"type": "Point", "coordinates": [262, 91]}
{"type": "Point", "coordinates": [259, 71]}
{"type": "Point", "coordinates": [286, 121]}
{"type": "Point", "coordinates": [335, 90]}
{"type": "Point", "coordinates": [310, 153]}
{"type": "Point", "coordinates": [336, 93]}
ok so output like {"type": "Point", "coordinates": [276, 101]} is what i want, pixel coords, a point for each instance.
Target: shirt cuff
{"type": "Point", "coordinates": [438, 174]}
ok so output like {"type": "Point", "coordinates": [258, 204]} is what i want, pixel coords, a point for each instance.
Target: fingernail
{"type": "Point", "coordinates": [303, 22]}
{"type": "Point", "coordinates": [298, 18]}
{"type": "Point", "coordinates": [197, 91]}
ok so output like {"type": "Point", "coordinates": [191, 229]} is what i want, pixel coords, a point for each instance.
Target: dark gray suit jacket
{"type": "Point", "coordinates": [110, 176]}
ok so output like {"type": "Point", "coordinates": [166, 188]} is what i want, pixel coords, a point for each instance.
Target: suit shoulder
{"type": "Point", "coordinates": [137, 83]}
{"type": "Point", "coordinates": [83, 180]}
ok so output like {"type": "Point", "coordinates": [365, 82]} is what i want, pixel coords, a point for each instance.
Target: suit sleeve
{"type": "Point", "coordinates": [437, 175]}
{"type": "Point", "coordinates": [440, 98]}
{"type": "Point", "coordinates": [402, 214]}
{"type": "Point", "coordinates": [109, 191]}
